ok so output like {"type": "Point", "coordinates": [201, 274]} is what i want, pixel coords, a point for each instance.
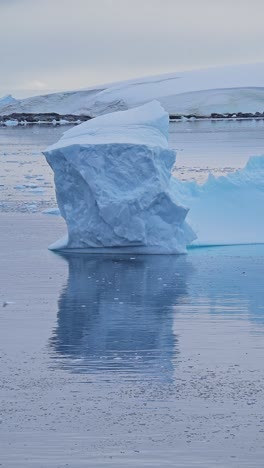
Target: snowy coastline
{"type": "Point", "coordinates": [223, 90]}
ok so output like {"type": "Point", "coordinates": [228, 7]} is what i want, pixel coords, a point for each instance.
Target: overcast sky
{"type": "Point", "coordinates": [50, 45]}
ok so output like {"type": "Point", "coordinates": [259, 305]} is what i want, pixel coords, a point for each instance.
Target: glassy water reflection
{"type": "Point", "coordinates": [137, 318]}
{"type": "Point", "coordinates": [115, 315]}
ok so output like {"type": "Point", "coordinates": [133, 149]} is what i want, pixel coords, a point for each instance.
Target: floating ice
{"type": "Point", "coordinates": [36, 190]}
{"type": "Point", "coordinates": [112, 177]}
{"type": "Point", "coordinates": [11, 123]}
{"type": "Point", "coordinates": [51, 211]}
{"type": "Point", "coordinates": [228, 209]}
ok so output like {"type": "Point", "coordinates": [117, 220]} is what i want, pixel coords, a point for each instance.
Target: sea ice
{"type": "Point", "coordinates": [112, 177]}
{"type": "Point", "coordinates": [51, 211]}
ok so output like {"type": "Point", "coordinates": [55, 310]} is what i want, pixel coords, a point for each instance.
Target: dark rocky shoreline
{"type": "Point", "coordinates": [70, 119]}
{"type": "Point", "coordinates": [43, 118]}
{"type": "Point", "coordinates": [218, 116]}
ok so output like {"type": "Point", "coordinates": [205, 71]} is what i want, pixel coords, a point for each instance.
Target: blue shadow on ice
{"type": "Point", "coordinates": [116, 315]}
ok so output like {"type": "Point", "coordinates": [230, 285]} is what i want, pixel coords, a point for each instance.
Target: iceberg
{"type": "Point", "coordinates": [113, 185]}
{"type": "Point", "coordinates": [226, 210]}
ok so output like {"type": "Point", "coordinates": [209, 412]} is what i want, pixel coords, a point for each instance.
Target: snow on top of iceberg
{"type": "Point", "coordinates": [145, 125]}
{"type": "Point", "coordinates": [194, 91]}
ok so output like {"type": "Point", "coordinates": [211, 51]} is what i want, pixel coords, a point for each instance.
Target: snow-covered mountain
{"type": "Point", "coordinates": [238, 88]}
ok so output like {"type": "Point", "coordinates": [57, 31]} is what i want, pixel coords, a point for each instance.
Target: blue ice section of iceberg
{"type": "Point", "coordinates": [226, 210]}
{"type": "Point", "coordinates": [113, 185]}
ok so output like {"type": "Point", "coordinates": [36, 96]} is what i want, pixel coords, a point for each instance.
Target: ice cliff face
{"type": "Point", "coordinates": [113, 184]}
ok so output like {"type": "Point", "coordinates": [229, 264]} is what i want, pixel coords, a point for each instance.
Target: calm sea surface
{"type": "Point", "coordinates": [127, 361]}
{"type": "Point", "coordinates": [26, 181]}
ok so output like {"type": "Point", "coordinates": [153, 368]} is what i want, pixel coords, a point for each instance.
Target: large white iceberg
{"type": "Point", "coordinates": [113, 184]}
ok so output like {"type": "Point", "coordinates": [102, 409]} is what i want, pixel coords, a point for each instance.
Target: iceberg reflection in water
{"type": "Point", "coordinates": [115, 315]}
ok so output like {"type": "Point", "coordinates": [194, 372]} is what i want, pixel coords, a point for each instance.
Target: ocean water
{"type": "Point", "coordinates": [219, 147]}
{"type": "Point", "coordinates": [26, 181]}
{"type": "Point", "coordinates": [124, 360]}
